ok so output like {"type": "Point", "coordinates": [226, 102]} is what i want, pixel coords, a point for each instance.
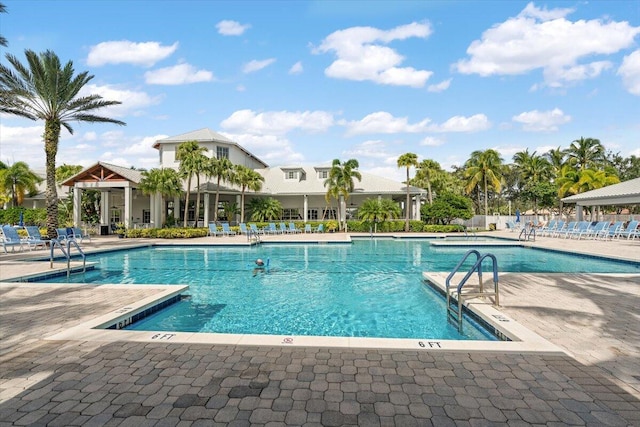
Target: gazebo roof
{"type": "Point", "coordinates": [105, 172]}
{"type": "Point", "coordinates": [624, 193]}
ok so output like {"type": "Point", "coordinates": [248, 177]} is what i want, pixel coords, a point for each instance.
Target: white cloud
{"type": "Point", "coordinates": [383, 122]}
{"type": "Point", "coordinates": [22, 144]}
{"type": "Point", "coordinates": [89, 136]}
{"type": "Point", "coordinates": [630, 72]}
{"type": "Point", "coordinates": [127, 52]}
{"type": "Point", "coordinates": [177, 75]}
{"type": "Point", "coordinates": [431, 141]}
{"type": "Point", "coordinates": [132, 101]}
{"type": "Point", "coordinates": [296, 68]}
{"type": "Point", "coordinates": [475, 123]}
{"type": "Point", "coordinates": [273, 149]}
{"type": "Point", "coordinates": [241, 88]}
{"type": "Point", "coordinates": [439, 87]}
{"type": "Point", "coordinates": [255, 65]}
{"type": "Point", "coordinates": [544, 39]}
{"type": "Point", "coordinates": [277, 122]}
{"type": "Point", "coordinates": [368, 149]}
{"type": "Point", "coordinates": [143, 147]}
{"type": "Point", "coordinates": [231, 28]}
{"type": "Point", "coordinates": [362, 55]}
{"type": "Point", "coordinates": [542, 121]}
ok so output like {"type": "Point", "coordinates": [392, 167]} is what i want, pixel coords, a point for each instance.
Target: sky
{"type": "Point", "coordinates": [306, 82]}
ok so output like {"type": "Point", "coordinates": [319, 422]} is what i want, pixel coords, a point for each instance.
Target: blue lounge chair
{"type": "Point", "coordinates": [601, 228]}
{"type": "Point", "coordinates": [10, 237]}
{"type": "Point", "coordinates": [583, 228]}
{"type": "Point", "coordinates": [79, 235]}
{"type": "Point", "coordinates": [614, 229]}
{"type": "Point", "coordinates": [564, 231]}
{"type": "Point", "coordinates": [243, 228]}
{"type": "Point", "coordinates": [64, 234]}
{"type": "Point", "coordinates": [283, 228]}
{"type": "Point", "coordinates": [272, 229]}
{"type": "Point", "coordinates": [546, 229]}
{"type": "Point", "coordinates": [307, 228]}
{"type": "Point", "coordinates": [226, 230]}
{"type": "Point", "coordinates": [254, 229]}
{"type": "Point", "coordinates": [630, 231]}
{"type": "Point", "coordinates": [213, 230]}
{"type": "Point", "coordinates": [34, 238]}
{"type": "Point", "coordinates": [320, 228]}
{"type": "Point", "coordinates": [293, 229]}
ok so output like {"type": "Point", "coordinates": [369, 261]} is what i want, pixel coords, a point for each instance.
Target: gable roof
{"type": "Point", "coordinates": [205, 135]}
{"type": "Point", "coordinates": [624, 193]}
{"type": "Point", "coordinates": [275, 183]}
{"type": "Point", "coordinates": [102, 171]}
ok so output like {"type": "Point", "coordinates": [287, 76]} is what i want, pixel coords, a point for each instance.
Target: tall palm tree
{"type": "Point", "coordinates": [341, 181]}
{"type": "Point", "coordinates": [533, 169]}
{"type": "Point", "coordinates": [406, 161]}
{"type": "Point", "coordinates": [247, 178]}
{"type": "Point", "coordinates": [3, 9]}
{"type": "Point", "coordinates": [556, 158]}
{"type": "Point", "coordinates": [426, 172]}
{"type": "Point", "coordinates": [19, 180]}
{"type": "Point", "coordinates": [484, 169]}
{"type": "Point", "coordinates": [222, 170]}
{"type": "Point", "coordinates": [586, 153]}
{"type": "Point", "coordinates": [164, 181]}
{"type": "Point", "coordinates": [45, 90]}
{"type": "Point", "coordinates": [190, 155]}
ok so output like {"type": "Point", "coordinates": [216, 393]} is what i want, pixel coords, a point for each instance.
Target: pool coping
{"type": "Point", "coordinates": [522, 339]}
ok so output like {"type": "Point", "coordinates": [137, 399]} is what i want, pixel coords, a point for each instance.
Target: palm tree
{"type": "Point", "coordinates": [407, 160]}
{"type": "Point", "coordinates": [341, 181]}
{"type": "Point", "coordinates": [222, 170]}
{"type": "Point", "coordinates": [247, 178]}
{"type": "Point", "coordinates": [3, 41]}
{"type": "Point", "coordinates": [484, 168]}
{"type": "Point", "coordinates": [378, 210]}
{"type": "Point", "coordinates": [67, 171]}
{"type": "Point", "coordinates": [192, 162]}
{"type": "Point", "coordinates": [556, 158]}
{"type": "Point", "coordinates": [19, 180]}
{"type": "Point", "coordinates": [427, 171]}
{"type": "Point", "coordinates": [532, 169]}
{"type": "Point", "coordinates": [164, 181]}
{"type": "Point", "coordinates": [47, 91]}
{"type": "Point", "coordinates": [265, 209]}
{"type": "Point", "coordinates": [586, 153]}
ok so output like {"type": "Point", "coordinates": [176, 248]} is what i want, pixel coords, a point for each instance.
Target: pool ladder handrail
{"type": "Point", "coordinates": [454, 313]}
{"type": "Point", "coordinates": [473, 234]}
{"type": "Point", "coordinates": [256, 236]}
{"type": "Point", "coordinates": [67, 253]}
{"type": "Point", "coordinates": [528, 232]}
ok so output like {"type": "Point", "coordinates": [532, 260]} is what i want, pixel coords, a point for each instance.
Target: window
{"type": "Point", "coordinates": [292, 175]}
{"type": "Point", "coordinates": [222, 152]}
{"type": "Point", "coordinates": [312, 214]}
{"type": "Point", "coordinates": [323, 174]}
{"type": "Point", "coordinates": [146, 216]}
{"type": "Point", "coordinates": [116, 214]}
{"type": "Point", "coordinates": [291, 214]}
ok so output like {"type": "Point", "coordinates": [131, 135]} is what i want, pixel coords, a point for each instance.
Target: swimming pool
{"type": "Point", "coordinates": [370, 288]}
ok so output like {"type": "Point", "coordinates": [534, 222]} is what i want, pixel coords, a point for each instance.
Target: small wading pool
{"type": "Point", "coordinates": [370, 288]}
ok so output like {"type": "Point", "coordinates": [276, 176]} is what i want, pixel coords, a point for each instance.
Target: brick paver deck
{"type": "Point", "coordinates": [130, 383]}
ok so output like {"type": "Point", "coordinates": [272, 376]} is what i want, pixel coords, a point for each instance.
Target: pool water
{"type": "Point", "coordinates": [371, 288]}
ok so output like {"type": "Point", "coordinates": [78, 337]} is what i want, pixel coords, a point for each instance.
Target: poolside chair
{"type": "Point", "coordinates": [10, 237]}
{"type": "Point", "coordinates": [564, 231]}
{"type": "Point", "coordinates": [293, 229]}
{"type": "Point", "coordinates": [511, 226]}
{"type": "Point", "coordinates": [583, 228]}
{"type": "Point", "coordinates": [272, 229]}
{"type": "Point", "coordinates": [283, 228]}
{"type": "Point", "coordinates": [254, 229]}
{"type": "Point", "coordinates": [320, 228]}
{"type": "Point", "coordinates": [545, 229]}
{"type": "Point", "coordinates": [630, 231]}
{"type": "Point", "coordinates": [213, 230]}
{"type": "Point", "coordinates": [79, 235]}
{"type": "Point", "coordinates": [307, 228]}
{"type": "Point", "coordinates": [226, 230]}
{"type": "Point", "coordinates": [34, 238]}
{"type": "Point", "coordinates": [614, 229]}
{"type": "Point", "coordinates": [64, 234]}
{"type": "Point", "coordinates": [243, 228]}
{"type": "Point", "coordinates": [601, 228]}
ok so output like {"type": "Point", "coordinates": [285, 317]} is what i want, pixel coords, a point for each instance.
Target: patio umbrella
{"type": "Point", "coordinates": [21, 219]}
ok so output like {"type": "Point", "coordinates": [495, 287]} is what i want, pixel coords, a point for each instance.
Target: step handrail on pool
{"type": "Point", "coordinates": [452, 313]}
{"type": "Point", "coordinates": [67, 253]}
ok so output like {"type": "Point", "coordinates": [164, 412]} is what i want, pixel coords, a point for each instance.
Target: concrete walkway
{"type": "Point", "coordinates": [593, 317]}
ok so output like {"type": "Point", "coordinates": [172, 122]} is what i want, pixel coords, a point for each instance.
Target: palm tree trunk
{"type": "Point", "coordinates": [407, 207]}
{"type": "Point", "coordinates": [215, 209]}
{"type": "Point", "coordinates": [186, 201]}
{"type": "Point", "coordinates": [197, 199]}
{"type": "Point", "coordinates": [430, 194]}
{"type": "Point", "coordinates": [51, 137]}
{"type": "Point", "coordinates": [242, 205]}
{"type": "Point", "coordinates": [486, 197]}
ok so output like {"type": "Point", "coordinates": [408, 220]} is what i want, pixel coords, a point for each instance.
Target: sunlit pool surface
{"type": "Point", "coordinates": [370, 288]}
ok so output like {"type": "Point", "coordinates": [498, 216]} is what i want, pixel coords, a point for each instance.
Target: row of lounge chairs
{"type": "Point", "coordinates": [272, 228]}
{"type": "Point", "coordinates": [34, 240]}
{"type": "Point", "coordinates": [604, 230]}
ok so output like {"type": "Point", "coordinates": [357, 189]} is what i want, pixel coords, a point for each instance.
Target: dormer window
{"type": "Point", "coordinates": [292, 175]}
{"type": "Point", "coordinates": [323, 174]}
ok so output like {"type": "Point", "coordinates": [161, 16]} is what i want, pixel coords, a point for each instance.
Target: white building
{"type": "Point", "coordinates": [300, 189]}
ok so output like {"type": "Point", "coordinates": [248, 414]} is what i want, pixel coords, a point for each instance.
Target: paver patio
{"type": "Point", "coordinates": [594, 317]}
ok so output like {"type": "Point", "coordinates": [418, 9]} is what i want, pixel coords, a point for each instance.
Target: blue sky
{"type": "Point", "coordinates": [299, 82]}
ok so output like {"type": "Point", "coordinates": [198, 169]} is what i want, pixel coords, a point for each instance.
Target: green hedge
{"type": "Point", "coordinates": [167, 233]}
{"type": "Point", "coordinates": [451, 228]}
{"type": "Point", "coordinates": [30, 216]}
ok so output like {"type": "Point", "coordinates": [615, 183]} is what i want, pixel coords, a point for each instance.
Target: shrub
{"type": "Point", "coordinates": [450, 228]}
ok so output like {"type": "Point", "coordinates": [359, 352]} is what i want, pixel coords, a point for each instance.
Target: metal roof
{"type": "Point", "coordinates": [624, 193]}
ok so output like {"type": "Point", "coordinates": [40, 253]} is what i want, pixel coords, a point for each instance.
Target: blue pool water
{"type": "Point", "coordinates": [371, 288]}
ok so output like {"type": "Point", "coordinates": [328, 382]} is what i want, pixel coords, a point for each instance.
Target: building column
{"type": "Point", "coordinates": [176, 210]}
{"type": "Point", "coordinates": [105, 219]}
{"type": "Point", "coordinates": [206, 209]}
{"type": "Point", "coordinates": [238, 200]}
{"type": "Point", "coordinates": [77, 198]}
{"type": "Point", "coordinates": [127, 207]}
{"type": "Point", "coordinates": [578, 213]}
{"type": "Point", "coordinates": [305, 207]}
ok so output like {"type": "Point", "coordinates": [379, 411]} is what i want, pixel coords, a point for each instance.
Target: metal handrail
{"type": "Point", "coordinates": [67, 254]}
{"type": "Point", "coordinates": [528, 231]}
{"type": "Point", "coordinates": [477, 266]}
{"type": "Point", "coordinates": [255, 234]}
